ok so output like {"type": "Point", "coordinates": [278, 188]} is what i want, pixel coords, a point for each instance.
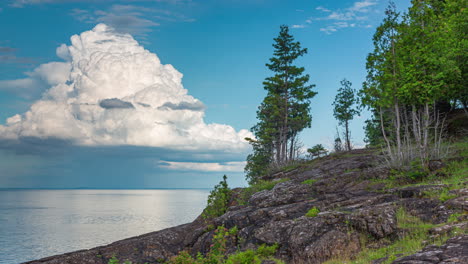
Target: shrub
{"type": "Point", "coordinates": [217, 253]}
{"type": "Point", "coordinates": [267, 251]}
{"type": "Point", "coordinates": [313, 212]}
{"type": "Point", "coordinates": [218, 200]}
{"type": "Point", "coordinates": [246, 257]}
{"type": "Point", "coordinates": [317, 151]}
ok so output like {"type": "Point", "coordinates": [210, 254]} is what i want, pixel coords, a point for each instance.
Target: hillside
{"type": "Point", "coordinates": [342, 207]}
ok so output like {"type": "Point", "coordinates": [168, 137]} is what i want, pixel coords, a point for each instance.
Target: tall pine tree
{"type": "Point", "coordinates": [284, 112]}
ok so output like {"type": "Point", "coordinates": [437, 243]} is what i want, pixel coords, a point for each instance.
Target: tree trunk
{"type": "Point", "coordinates": [384, 134]}
{"type": "Point", "coordinates": [348, 143]}
{"type": "Point", "coordinates": [397, 132]}
{"type": "Point", "coordinates": [292, 147]}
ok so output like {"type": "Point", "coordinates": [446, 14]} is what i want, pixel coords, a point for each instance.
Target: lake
{"type": "Point", "coordinates": [40, 223]}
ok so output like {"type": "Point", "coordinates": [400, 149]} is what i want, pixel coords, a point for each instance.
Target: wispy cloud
{"type": "Point", "coordinates": [133, 19]}
{"type": "Point", "coordinates": [24, 3]}
{"type": "Point", "coordinates": [8, 55]}
{"type": "Point", "coordinates": [298, 26]}
{"type": "Point", "coordinates": [350, 17]}
{"type": "Point", "coordinates": [323, 9]}
{"type": "Point", "coordinates": [233, 166]}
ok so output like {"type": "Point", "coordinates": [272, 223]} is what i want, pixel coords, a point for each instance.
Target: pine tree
{"type": "Point", "coordinates": [285, 111]}
{"type": "Point", "coordinates": [345, 109]}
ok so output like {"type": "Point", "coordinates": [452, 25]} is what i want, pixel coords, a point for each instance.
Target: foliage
{"type": "Point", "coordinates": [317, 151]}
{"type": "Point", "coordinates": [284, 112]}
{"type": "Point", "coordinates": [373, 133]}
{"type": "Point", "coordinates": [218, 251]}
{"type": "Point", "coordinates": [246, 257]}
{"type": "Point", "coordinates": [415, 69]}
{"type": "Point", "coordinates": [313, 212]}
{"type": "Point", "coordinates": [258, 162]}
{"type": "Point", "coordinates": [218, 200]}
{"type": "Point", "coordinates": [344, 108]}
{"type": "Point", "coordinates": [453, 175]}
{"type": "Point", "coordinates": [114, 260]}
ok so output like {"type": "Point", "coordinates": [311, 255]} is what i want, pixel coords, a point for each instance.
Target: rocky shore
{"type": "Point", "coordinates": [358, 211]}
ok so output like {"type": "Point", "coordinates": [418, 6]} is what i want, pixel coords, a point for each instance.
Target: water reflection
{"type": "Point", "coordinates": [39, 223]}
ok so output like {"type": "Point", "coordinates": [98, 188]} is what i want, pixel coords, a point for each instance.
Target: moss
{"type": "Point", "coordinates": [313, 212]}
{"type": "Point", "coordinates": [309, 181]}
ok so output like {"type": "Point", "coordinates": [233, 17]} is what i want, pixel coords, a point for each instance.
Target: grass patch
{"type": "Point", "coordinates": [416, 238]}
{"type": "Point", "coordinates": [351, 170]}
{"type": "Point", "coordinates": [309, 181]}
{"type": "Point", "coordinates": [454, 217]}
{"type": "Point", "coordinates": [453, 174]}
{"type": "Point", "coordinates": [313, 212]}
{"type": "Point", "coordinates": [443, 195]}
{"type": "Point", "coordinates": [246, 193]}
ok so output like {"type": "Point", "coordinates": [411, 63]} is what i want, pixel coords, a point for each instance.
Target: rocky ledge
{"type": "Point", "coordinates": [357, 212]}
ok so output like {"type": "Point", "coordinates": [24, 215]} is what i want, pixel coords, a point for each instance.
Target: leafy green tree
{"type": "Point", "coordinates": [345, 108]}
{"type": "Point", "coordinates": [427, 70]}
{"type": "Point", "coordinates": [284, 112]}
{"type": "Point", "coordinates": [380, 90]}
{"type": "Point", "coordinates": [416, 69]}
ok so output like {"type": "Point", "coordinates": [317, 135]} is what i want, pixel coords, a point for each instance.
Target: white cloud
{"type": "Point", "coordinates": [234, 166]}
{"type": "Point", "coordinates": [344, 18]}
{"type": "Point", "coordinates": [362, 6]}
{"type": "Point", "coordinates": [46, 75]}
{"type": "Point", "coordinates": [298, 26]}
{"type": "Point", "coordinates": [105, 65]}
{"type": "Point", "coordinates": [323, 9]}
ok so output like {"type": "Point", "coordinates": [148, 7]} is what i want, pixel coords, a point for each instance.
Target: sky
{"type": "Point", "coordinates": [161, 93]}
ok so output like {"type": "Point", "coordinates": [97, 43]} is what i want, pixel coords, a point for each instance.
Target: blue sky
{"type": "Point", "coordinates": [220, 47]}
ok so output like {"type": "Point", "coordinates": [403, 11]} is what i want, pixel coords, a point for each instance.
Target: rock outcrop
{"type": "Point", "coordinates": [351, 201]}
{"type": "Point", "coordinates": [455, 250]}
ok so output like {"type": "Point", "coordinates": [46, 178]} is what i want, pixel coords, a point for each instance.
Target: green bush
{"type": "Point", "coordinates": [313, 212]}
{"type": "Point", "coordinates": [246, 257]}
{"type": "Point", "coordinates": [217, 253]}
{"type": "Point", "coordinates": [218, 200]}
{"type": "Point", "coordinates": [267, 251]}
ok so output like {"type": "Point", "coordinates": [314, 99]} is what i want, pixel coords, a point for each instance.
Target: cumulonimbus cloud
{"type": "Point", "coordinates": [114, 92]}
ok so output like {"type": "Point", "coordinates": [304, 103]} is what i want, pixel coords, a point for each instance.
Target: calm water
{"type": "Point", "coordinates": [40, 223]}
